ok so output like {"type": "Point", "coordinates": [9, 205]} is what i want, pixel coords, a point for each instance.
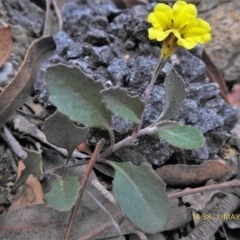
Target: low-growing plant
{"type": "Point", "coordinates": [139, 191]}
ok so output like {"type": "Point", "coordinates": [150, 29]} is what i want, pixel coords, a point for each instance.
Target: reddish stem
{"type": "Point", "coordinates": [83, 184]}
{"type": "Point", "coordinates": [233, 183]}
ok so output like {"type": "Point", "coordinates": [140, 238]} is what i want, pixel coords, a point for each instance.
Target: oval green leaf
{"type": "Point", "coordinates": [181, 136]}
{"type": "Point", "coordinates": [77, 95]}
{"type": "Point", "coordinates": [63, 194]}
{"type": "Point", "coordinates": [62, 132]}
{"type": "Point", "coordinates": [175, 94]}
{"type": "Point", "coordinates": [119, 102]}
{"type": "Point", "coordinates": [141, 194]}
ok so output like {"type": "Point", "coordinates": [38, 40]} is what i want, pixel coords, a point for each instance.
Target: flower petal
{"type": "Point", "coordinates": [186, 43]}
{"type": "Point", "coordinates": [183, 13]}
{"type": "Point", "coordinates": [177, 26]}
{"type": "Point", "coordinates": [200, 38]}
{"type": "Point", "coordinates": [163, 20]}
{"type": "Point", "coordinates": [161, 16]}
{"type": "Point", "coordinates": [162, 7]}
{"type": "Point", "coordinates": [154, 21]}
{"type": "Point", "coordinates": [198, 31]}
{"type": "Point", "coordinates": [176, 33]}
{"type": "Point", "coordinates": [157, 33]}
{"type": "Point", "coordinates": [197, 23]}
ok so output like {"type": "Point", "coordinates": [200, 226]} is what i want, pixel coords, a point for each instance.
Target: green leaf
{"type": "Point", "coordinates": [63, 194]}
{"type": "Point", "coordinates": [77, 95]}
{"type": "Point", "coordinates": [62, 132]}
{"type": "Point", "coordinates": [122, 104]}
{"type": "Point", "coordinates": [142, 196]}
{"type": "Point", "coordinates": [175, 95]}
{"type": "Point", "coordinates": [181, 136]}
{"type": "Point", "coordinates": [33, 164]}
{"type": "Point", "coordinates": [166, 124]}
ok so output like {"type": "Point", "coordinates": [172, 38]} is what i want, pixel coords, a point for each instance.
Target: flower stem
{"type": "Point", "coordinates": [157, 70]}
{"type": "Point", "coordinates": [148, 91]}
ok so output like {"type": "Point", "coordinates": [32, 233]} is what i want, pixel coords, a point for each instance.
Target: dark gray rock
{"type": "Point", "coordinates": [229, 114]}
{"type": "Point", "coordinates": [100, 55]}
{"type": "Point", "coordinates": [105, 8]}
{"type": "Point", "coordinates": [121, 126]}
{"type": "Point", "coordinates": [141, 72]}
{"type": "Point", "coordinates": [130, 44]}
{"type": "Point", "coordinates": [117, 26]}
{"type": "Point", "coordinates": [208, 120]}
{"type": "Point", "coordinates": [194, 70]}
{"type": "Point", "coordinates": [75, 50]}
{"type": "Point", "coordinates": [137, 24]}
{"type": "Point", "coordinates": [204, 92]}
{"type": "Point", "coordinates": [215, 104]}
{"type": "Point", "coordinates": [26, 14]}
{"type": "Point", "coordinates": [148, 50]}
{"type": "Point", "coordinates": [154, 149]}
{"type": "Point", "coordinates": [190, 112]}
{"type": "Point", "coordinates": [155, 105]}
{"type": "Point", "coordinates": [83, 64]}
{"type": "Point", "coordinates": [127, 154]}
{"type": "Point", "coordinates": [63, 42]}
{"type": "Point", "coordinates": [96, 37]}
{"type": "Point", "coordinates": [76, 19]}
{"type": "Point", "coordinates": [100, 22]}
{"type": "Point", "coordinates": [117, 71]}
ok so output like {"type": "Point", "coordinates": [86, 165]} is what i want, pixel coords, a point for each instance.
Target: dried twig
{"type": "Point", "coordinates": [13, 143]}
{"type": "Point", "coordinates": [83, 184]}
{"type": "Point", "coordinates": [233, 183]}
{"type": "Point", "coordinates": [63, 166]}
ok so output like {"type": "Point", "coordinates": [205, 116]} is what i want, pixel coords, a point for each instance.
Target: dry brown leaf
{"type": "Point", "coordinates": [83, 147]}
{"type": "Point", "coordinates": [29, 193]}
{"type": "Point", "coordinates": [188, 175]}
{"type": "Point", "coordinates": [15, 94]}
{"type": "Point", "coordinates": [6, 43]}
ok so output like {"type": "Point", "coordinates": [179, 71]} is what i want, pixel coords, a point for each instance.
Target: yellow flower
{"type": "Point", "coordinates": [177, 26]}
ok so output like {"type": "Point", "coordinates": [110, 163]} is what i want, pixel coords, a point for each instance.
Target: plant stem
{"type": "Point", "coordinates": [148, 91]}
{"type": "Point", "coordinates": [86, 175]}
{"type": "Point", "coordinates": [126, 141]}
{"type": "Point", "coordinates": [233, 183]}
{"type": "Point", "coordinates": [63, 166]}
{"type": "Point", "coordinates": [157, 70]}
